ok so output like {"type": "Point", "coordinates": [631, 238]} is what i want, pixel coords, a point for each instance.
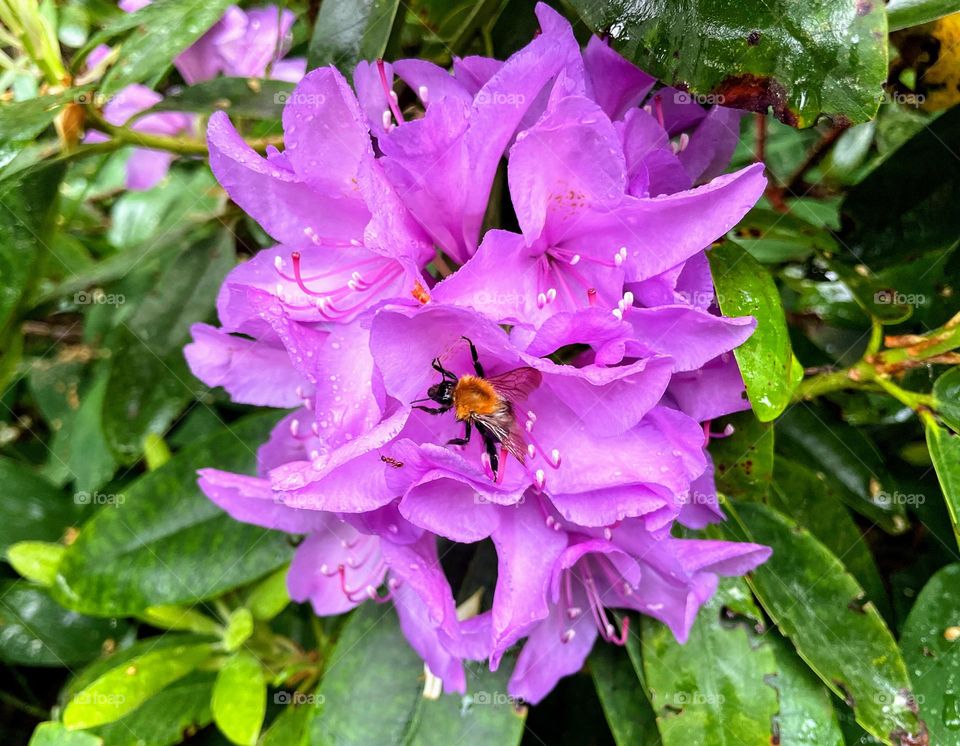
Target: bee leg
{"type": "Point", "coordinates": [438, 366]}
{"type": "Point", "coordinates": [490, 444]}
{"type": "Point", "coordinates": [431, 410]}
{"type": "Point", "coordinates": [476, 358]}
{"type": "Point", "coordinates": [466, 436]}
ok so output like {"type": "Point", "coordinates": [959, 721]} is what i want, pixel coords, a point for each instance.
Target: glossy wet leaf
{"type": "Point", "coordinates": [944, 448]}
{"type": "Point", "coordinates": [149, 379]}
{"type": "Point", "coordinates": [22, 121]}
{"type": "Point", "coordinates": [166, 543]}
{"type": "Point", "coordinates": [37, 561]}
{"type": "Point", "coordinates": [160, 32]}
{"type": "Point", "coordinates": [485, 715]}
{"type": "Point", "coordinates": [629, 716]}
{"type": "Point", "coordinates": [726, 702]}
{"type": "Point", "coordinates": [32, 507]}
{"type": "Point", "coordinates": [27, 208]}
{"type": "Point", "coordinates": [162, 720]}
{"type": "Point", "coordinates": [743, 461]}
{"type": "Point", "coordinates": [929, 643]}
{"type": "Point", "coordinates": [946, 390]}
{"type": "Point", "coordinates": [905, 207]}
{"type": "Point", "coordinates": [904, 13]}
{"type": "Point", "coordinates": [809, 434]}
{"type": "Point", "coordinates": [800, 59]}
{"type": "Point", "coordinates": [744, 288]}
{"type": "Point", "coordinates": [36, 631]}
{"type": "Point", "coordinates": [819, 606]}
{"type": "Point", "coordinates": [240, 699]}
{"type": "Point", "coordinates": [348, 31]}
{"type": "Point", "coordinates": [806, 716]}
{"type": "Point", "coordinates": [372, 663]}
{"type": "Point", "coordinates": [814, 502]}
{"type": "Point", "coordinates": [121, 690]}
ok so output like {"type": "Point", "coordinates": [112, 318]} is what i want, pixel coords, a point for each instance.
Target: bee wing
{"type": "Point", "coordinates": [505, 429]}
{"type": "Point", "coordinates": [517, 384]}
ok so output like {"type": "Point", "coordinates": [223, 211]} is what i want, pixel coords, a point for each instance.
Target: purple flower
{"type": "Point", "coordinates": [623, 568]}
{"type": "Point", "coordinates": [574, 440]}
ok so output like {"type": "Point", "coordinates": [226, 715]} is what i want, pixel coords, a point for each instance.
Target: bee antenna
{"type": "Point", "coordinates": [426, 398]}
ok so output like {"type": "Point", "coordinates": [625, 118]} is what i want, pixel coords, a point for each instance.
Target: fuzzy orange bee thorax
{"type": "Point", "coordinates": [474, 395]}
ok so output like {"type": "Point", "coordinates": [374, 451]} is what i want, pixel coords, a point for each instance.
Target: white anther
{"type": "Point", "coordinates": [728, 430]}
{"type": "Point", "coordinates": [386, 119]}
{"type": "Point", "coordinates": [531, 450]}
{"type": "Point", "coordinates": [294, 427]}
{"type": "Point", "coordinates": [393, 95]}
{"type": "Point", "coordinates": [551, 295]}
{"type": "Point", "coordinates": [540, 478]}
{"type": "Point", "coordinates": [555, 457]}
{"type": "Point", "coordinates": [278, 262]}
{"type": "Point", "coordinates": [575, 259]}
{"type": "Point", "coordinates": [628, 298]}
{"type": "Point", "coordinates": [541, 300]}
{"type": "Point", "coordinates": [531, 416]}
{"type": "Point", "coordinates": [618, 313]}
{"type": "Point", "coordinates": [568, 635]}
{"type": "Point", "coordinates": [607, 533]}
{"type": "Point", "coordinates": [684, 141]}
{"type": "Point", "coordinates": [423, 92]}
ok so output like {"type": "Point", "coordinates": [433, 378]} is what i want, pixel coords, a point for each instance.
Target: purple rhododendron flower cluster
{"type": "Point", "coordinates": [243, 43]}
{"type": "Point", "coordinates": [547, 388]}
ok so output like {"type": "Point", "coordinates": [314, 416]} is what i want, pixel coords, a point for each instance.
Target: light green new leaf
{"type": "Point", "coordinates": [121, 690]}
{"type": "Point", "coordinates": [240, 699]}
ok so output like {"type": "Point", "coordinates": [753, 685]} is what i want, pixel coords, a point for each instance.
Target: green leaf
{"type": "Point", "coordinates": [240, 699]}
{"type": "Point", "coordinates": [904, 13]}
{"type": "Point", "coordinates": [905, 207]}
{"type": "Point", "coordinates": [164, 719]}
{"type": "Point", "coordinates": [806, 716]}
{"type": "Point", "coordinates": [27, 207]}
{"type": "Point", "coordinates": [773, 237]}
{"type": "Point", "coordinates": [348, 31]}
{"type": "Point", "coordinates": [289, 728]}
{"type": "Point", "coordinates": [800, 59]}
{"type": "Point", "coordinates": [54, 734]}
{"type": "Point", "coordinates": [149, 379]}
{"type": "Point", "coordinates": [166, 543]}
{"type": "Point", "coordinates": [743, 461]}
{"type": "Point", "coordinates": [22, 121]}
{"type": "Point", "coordinates": [36, 560]}
{"type": "Point", "coordinates": [163, 30]}
{"type": "Point", "coordinates": [944, 448]}
{"type": "Point", "coordinates": [374, 664]}
{"type": "Point", "coordinates": [181, 618]}
{"type": "Point", "coordinates": [745, 288]}
{"type": "Point", "coordinates": [239, 628]}
{"type": "Point", "coordinates": [121, 690]}
{"type": "Point", "coordinates": [247, 98]}
{"type": "Point", "coordinates": [848, 458]}
{"type": "Point", "coordinates": [946, 390]}
{"type": "Point", "coordinates": [629, 715]}
{"type": "Point", "coordinates": [813, 501]}
{"type": "Point", "coordinates": [485, 715]}
{"type": "Point", "coordinates": [32, 508]}
{"type": "Point", "coordinates": [818, 605]}
{"type": "Point", "coordinates": [270, 596]}
{"type": "Point", "coordinates": [36, 631]}
{"type": "Point", "coordinates": [713, 689]}
{"type": "Point", "coordinates": [929, 643]}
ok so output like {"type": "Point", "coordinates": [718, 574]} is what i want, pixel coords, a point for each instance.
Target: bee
{"type": "Point", "coordinates": [390, 460]}
{"type": "Point", "coordinates": [487, 404]}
